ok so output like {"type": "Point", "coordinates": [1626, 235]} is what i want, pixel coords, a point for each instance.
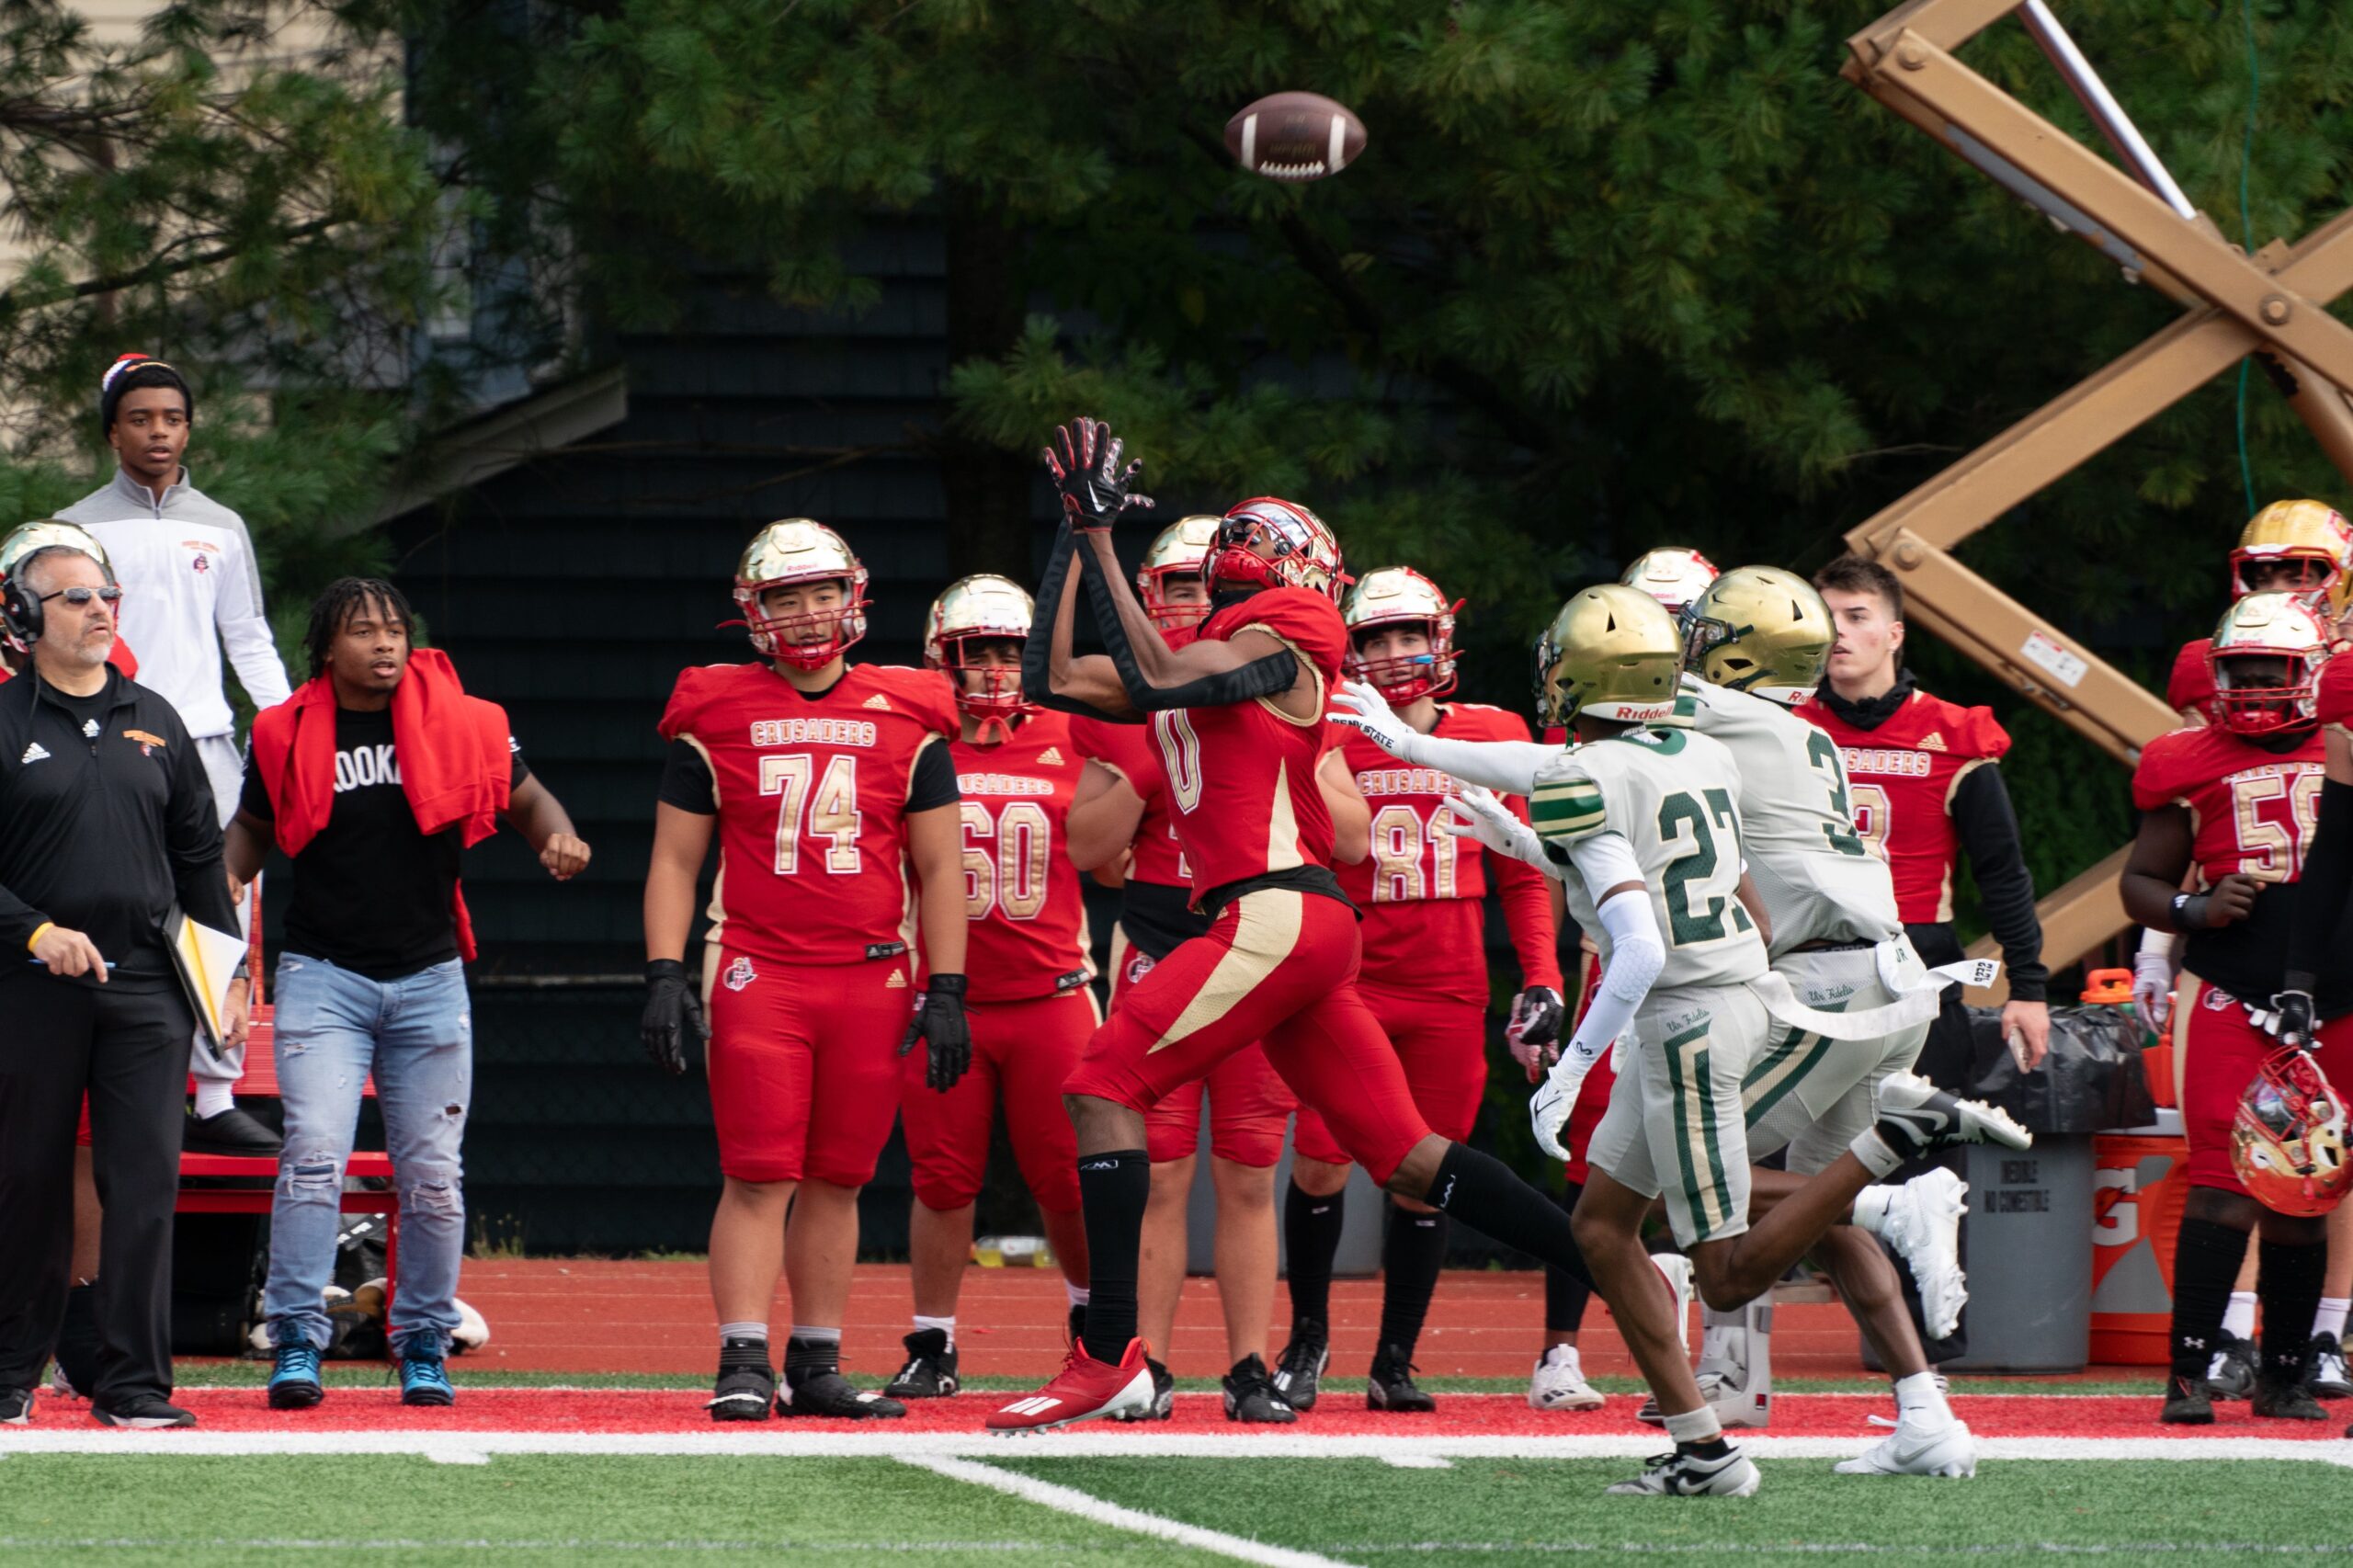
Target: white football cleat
{"type": "Point", "coordinates": [1557, 1382]}
{"type": "Point", "coordinates": [1917, 1448]}
{"type": "Point", "coordinates": [1921, 1220]}
{"type": "Point", "coordinates": [1679, 1475]}
{"type": "Point", "coordinates": [1915, 1118]}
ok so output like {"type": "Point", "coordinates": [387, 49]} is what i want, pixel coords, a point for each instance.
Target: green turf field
{"type": "Point", "coordinates": [399, 1509]}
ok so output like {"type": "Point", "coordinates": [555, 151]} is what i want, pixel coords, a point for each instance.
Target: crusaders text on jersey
{"type": "Point", "coordinates": [1901, 776]}
{"type": "Point", "coordinates": [810, 792]}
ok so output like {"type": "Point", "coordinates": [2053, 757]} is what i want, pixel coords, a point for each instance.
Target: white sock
{"type": "Point", "coordinates": [727, 1331]}
{"type": "Point", "coordinates": [2330, 1319]}
{"type": "Point", "coordinates": [1872, 1150]}
{"type": "Point", "coordinates": [1870, 1208]}
{"type": "Point", "coordinates": [212, 1097]}
{"type": "Point", "coordinates": [946, 1325]}
{"type": "Point", "coordinates": [1699, 1425]}
{"type": "Point", "coordinates": [1079, 1294]}
{"type": "Point", "coordinates": [1918, 1395]}
{"type": "Point", "coordinates": [2238, 1318]}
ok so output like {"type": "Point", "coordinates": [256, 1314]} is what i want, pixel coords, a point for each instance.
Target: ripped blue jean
{"type": "Point", "coordinates": [332, 1027]}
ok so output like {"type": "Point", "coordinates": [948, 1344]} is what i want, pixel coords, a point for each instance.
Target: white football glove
{"type": "Point", "coordinates": [1556, 1096]}
{"type": "Point", "coordinates": [1362, 709]}
{"type": "Point", "coordinates": [2151, 990]}
{"type": "Point", "coordinates": [1481, 814]}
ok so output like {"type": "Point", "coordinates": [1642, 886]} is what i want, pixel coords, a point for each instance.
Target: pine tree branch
{"type": "Point", "coordinates": [152, 272]}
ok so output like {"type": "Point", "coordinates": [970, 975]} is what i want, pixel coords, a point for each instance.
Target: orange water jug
{"type": "Point", "coordinates": [2139, 1184]}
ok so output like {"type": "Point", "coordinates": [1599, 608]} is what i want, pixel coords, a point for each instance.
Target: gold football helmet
{"type": "Point", "coordinates": [1399, 596]}
{"type": "Point", "coordinates": [799, 550]}
{"type": "Point", "coordinates": [21, 623]}
{"type": "Point", "coordinates": [1611, 652]}
{"type": "Point", "coordinates": [1759, 629]}
{"type": "Point", "coordinates": [1180, 550]}
{"type": "Point", "coordinates": [1275, 544]}
{"type": "Point", "coordinates": [1672, 575]}
{"type": "Point", "coordinates": [2309, 531]}
{"type": "Point", "coordinates": [984, 605]}
{"type": "Point", "coordinates": [2278, 628]}
{"type": "Point", "coordinates": [2288, 1137]}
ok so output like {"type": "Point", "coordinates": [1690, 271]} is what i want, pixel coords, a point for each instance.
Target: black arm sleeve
{"type": "Point", "coordinates": [1270, 676]}
{"type": "Point", "coordinates": [1989, 837]}
{"type": "Point", "coordinates": [1037, 649]}
{"type": "Point", "coordinates": [192, 840]}
{"type": "Point", "coordinates": [686, 782]}
{"type": "Point", "coordinates": [933, 783]}
{"type": "Point", "coordinates": [2321, 890]}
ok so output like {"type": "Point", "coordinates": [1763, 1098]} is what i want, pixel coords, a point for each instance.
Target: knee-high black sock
{"type": "Point", "coordinates": [1415, 1251]}
{"type": "Point", "coordinates": [2206, 1258]}
{"type": "Point", "coordinates": [1311, 1239]}
{"type": "Point", "coordinates": [2288, 1283]}
{"type": "Point", "coordinates": [1113, 1189]}
{"type": "Point", "coordinates": [1564, 1294]}
{"type": "Point", "coordinates": [1481, 1191]}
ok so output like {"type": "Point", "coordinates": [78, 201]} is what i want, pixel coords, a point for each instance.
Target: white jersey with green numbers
{"type": "Point", "coordinates": [1674, 796]}
{"type": "Point", "coordinates": [1796, 824]}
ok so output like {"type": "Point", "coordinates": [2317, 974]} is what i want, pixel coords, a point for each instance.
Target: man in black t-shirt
{"type": "Point", "coordinates": [373, 777]}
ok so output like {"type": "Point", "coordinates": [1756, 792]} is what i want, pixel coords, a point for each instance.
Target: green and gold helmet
{"type": "Point", "coordinates": [1612, 652]}
{"type": "Point", "coordinates": [1759, 629]}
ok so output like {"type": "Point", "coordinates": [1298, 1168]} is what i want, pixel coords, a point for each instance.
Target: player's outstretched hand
{"type": "Point", "coordinates": [1084, 458]}
{"type": "Point", "coordinates": [940, 1023]}
{"type": "Point", "coordinates": [1535, 1027]}
{"type": "Point", "coordinates": [1481, 814]}
{"type": "Point", "coordinates": [1363, 709]}
{"type": "Point", "coordinates": [672, 1025]}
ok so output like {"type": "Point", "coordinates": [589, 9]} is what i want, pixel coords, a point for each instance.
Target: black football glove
{"type": "Point", "coordinates": [2292, 1011]}
{"type": "Point", "coordinates": [672, 1025]}
{"type": "Point", "coordinates": [939, 1024]}
{"type": "Point", "coordinates": [1084, 458]}
{"type": "Point", "coordinates": [1537, 1014]}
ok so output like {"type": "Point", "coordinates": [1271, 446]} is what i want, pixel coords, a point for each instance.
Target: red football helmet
{"type": "Point", "coordinates": [799, 550]}
{"type": "Point", "coordinates": [1275, 544]}
{"type": "Point", "coordinates": [2270, 627]}
{"type": "Point", "coordinates": [982, 606]}
{"type": "Point", "coordinates": [1178, 550]}
{"type": "Point", "coordinates": [2288, 1137]}
{"type": "Point", "coordinates": [1399, 596]}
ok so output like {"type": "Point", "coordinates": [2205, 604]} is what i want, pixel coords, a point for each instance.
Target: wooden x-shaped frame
{"type": "Point", "coordinates": [2272, 304]}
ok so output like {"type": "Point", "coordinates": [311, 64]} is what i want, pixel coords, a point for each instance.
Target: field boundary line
{"type": "Point", "coordinates": [1086, 1505]}
{"type": "Point", "coordinates": [1105, 1444]}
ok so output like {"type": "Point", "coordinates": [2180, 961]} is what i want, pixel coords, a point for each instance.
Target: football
{"type": "Point", "coordinates": [1295, 136]}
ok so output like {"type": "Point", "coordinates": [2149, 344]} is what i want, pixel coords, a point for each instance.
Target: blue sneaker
{"type": "Point", "coordinates": [424, 1382]}
{"type": "Point", "coordinates": [295, 1384]}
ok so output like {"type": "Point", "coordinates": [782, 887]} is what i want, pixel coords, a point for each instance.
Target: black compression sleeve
{"type": "Point", "coordinates": [2321, 891]}
{"type": "Point", "coordinates": [1989, 837]}
{"type": "Point", "coordinates": [1270, 676]}
{"type": "Point", "coordinates": [1037, 649]}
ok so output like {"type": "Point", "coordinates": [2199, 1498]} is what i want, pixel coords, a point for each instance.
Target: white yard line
{"type": "Point", "coordinates": [1085, 1506]}
{"type": "Point", "coordinates": [1098, 1443]}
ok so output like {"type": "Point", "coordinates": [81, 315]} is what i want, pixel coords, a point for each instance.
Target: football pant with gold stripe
{"type": "Point", "coordinates": [1674, 1126]}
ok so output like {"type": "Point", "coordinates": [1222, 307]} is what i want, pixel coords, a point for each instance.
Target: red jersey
{"type": "Point", "coordinates": [1901, 777]}
{"type": "Point", "coordinates": [1026, 929]}
{"type": "Point", "coordinates": [2336, 692]}
{"type": "Point", "coordinates": [2253, 810]}
{"type": "Point", "coordinates": [2191, 684]}
{"type": "Point", "coordinates": [1128, 751]}
{"type": "Point", "coordinates": [1242, 777]}
{"type": "Point", "coordinates": [1423, 890]}
{"type": "Point", "coordinates": [812, 794]}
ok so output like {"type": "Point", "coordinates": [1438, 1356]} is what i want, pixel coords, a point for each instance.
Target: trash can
{"type": "Point", "coordinates": [2141, 1183]}
{"type": "Point", "coordinates": [2027, 1239]}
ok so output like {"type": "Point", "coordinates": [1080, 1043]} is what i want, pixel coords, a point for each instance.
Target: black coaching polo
{"type": "Point", "coordinates": [106, 819]}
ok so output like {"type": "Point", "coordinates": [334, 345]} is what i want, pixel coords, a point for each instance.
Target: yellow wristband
{"type": "Point", "coordinates": [44, 928]}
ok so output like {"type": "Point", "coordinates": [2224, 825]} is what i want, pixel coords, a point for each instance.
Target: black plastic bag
{"type": "Point", "coordinates": [2091, 1081]}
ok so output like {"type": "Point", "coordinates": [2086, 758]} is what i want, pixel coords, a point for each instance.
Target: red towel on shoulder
{"type": "Point", "coordinates": [455, 758]}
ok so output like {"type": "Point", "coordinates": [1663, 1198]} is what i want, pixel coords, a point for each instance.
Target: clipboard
{"type": "Point", "coordinates": [206, 960]}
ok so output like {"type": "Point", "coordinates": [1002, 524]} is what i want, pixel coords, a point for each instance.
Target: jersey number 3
{"type": "Point", "coordinates": [832, 810]}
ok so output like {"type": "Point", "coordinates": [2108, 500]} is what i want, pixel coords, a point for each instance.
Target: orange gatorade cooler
{"type": "Point", "coordinates": [2139, 1184]}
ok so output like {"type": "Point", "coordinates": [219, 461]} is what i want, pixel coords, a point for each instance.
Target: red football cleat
{"type": "Point", "coordinates": [1085, 1390]}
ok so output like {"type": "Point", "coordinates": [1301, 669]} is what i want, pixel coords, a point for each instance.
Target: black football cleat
{"type": "Point", "coordinates": [930, 1371]}
{"type": "Point", "coordinates": [1391, 1387]}
{"type": "Point", "coordinates": [2188, 1402]}
{"type": "Point", "coordinates": [743, 1392]}
{"type": "Point", "coordinates": [1299, 1370]}
{"type": "Point", "coordinates": [1250, 1395]}
{"type": "Point", "coordinates": [141, 1412]}
{"type": "Point", "coordinates": [831, 1395]}
{"type": "Point", "coordinates": [230, 1132]}
{"type": "Point", "coordinates": [2286, 1402]}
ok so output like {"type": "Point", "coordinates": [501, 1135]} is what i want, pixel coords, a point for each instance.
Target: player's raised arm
{"type": "Point", "coordinates": [1507, 767]}
{"type": "Point", "coordinates": [1054, 676]}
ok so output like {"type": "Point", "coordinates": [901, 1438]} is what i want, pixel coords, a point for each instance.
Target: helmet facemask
{"type": "Point", "coordinates": [785, 637]}
{"type": "Point", "coordinates": [1272, 543]}
{"type": "Point", "coordinates": [2288, 1137]}
{"type": "Point", "coordinates": [2266, 657]}
{"type": "Point", "coordinates": [1400, 599]}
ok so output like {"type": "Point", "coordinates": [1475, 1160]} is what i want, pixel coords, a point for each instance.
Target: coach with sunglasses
{"type": "Point", "coordinates": [107, 821]}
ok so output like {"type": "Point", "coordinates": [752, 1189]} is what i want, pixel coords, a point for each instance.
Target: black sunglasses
{"type": "Point", "coordinates": [83, 596]}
